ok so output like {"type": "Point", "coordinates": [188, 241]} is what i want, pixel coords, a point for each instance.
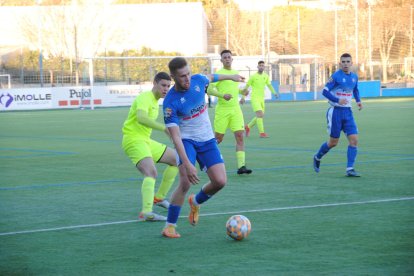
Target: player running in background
{"type": "Point", "coordinates": [228, 113]}
{"type": "Point", "coordinates": [258, 81]}
{"type": "Point", "coordinates": [186, 117]}
{"type": "Point", "coordinates": [143, 151]}
{"type": "Point", "coordinates": [339, 90]}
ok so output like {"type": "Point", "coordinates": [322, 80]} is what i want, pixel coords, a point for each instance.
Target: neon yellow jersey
{"type": "Point", "coordinates": [258, 82]}
{"type": "Point", "coordinates": [228, 87]}
{"type": "Point", "coordinates": [146, 102]}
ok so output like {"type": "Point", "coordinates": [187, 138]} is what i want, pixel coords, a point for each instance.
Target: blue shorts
{"type": "Point", "coordinates": [206, 153]}
{"type": "Point", "coordinates": [340, 119]}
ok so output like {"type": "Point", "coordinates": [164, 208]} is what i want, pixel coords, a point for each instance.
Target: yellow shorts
{"type": "Point", "coordinates": [228, 118]}
{"type": "Point", "coordinates": [137, 150]}
{"type": "Point", "coordinates": [258, 104]}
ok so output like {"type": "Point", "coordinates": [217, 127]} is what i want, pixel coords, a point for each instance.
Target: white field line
{"type": "Point", "coordinates": [216, 214]}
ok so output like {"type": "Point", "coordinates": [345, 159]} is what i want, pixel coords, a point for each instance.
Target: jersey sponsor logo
{"type": "Point", "coordinates": [167, 112]}
{"type": "Point", "coordinates": [196, 112]}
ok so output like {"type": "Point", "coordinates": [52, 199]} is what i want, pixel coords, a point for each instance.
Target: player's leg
{"type": "Point", "coordinates": [163, 154]}
{"type": "Point", "coordinates": [260, 120]}
{"type": "Point", "coordinates": [333, 118]}
{"type": "Point", "coordinates": [221, 122]}
{"type": "Point", "coordinates": [140, 154]}
{"type": "Point", "coordinates": [351, 130]}
{"type": "Point", "coordinates": [236, 126]}
{"type": "Point", "coordinates": [210, 160]}
{"type": "Point", "coordinates": [178, 196]}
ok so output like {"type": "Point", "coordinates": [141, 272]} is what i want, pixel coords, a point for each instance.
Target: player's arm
{"type": "Point", "coordinates": [356, 96]}
{"type": "Point", "coordinates": [190, 169]}
{"type": "Point", "coordinates": [213, 91]}
{"type": "Point", "coordinates": [270, 86]}
{"type": "Point", "coordinates": [327, 94]}
{"type": "Point", "coordinates": [142, 118]}
{"type": "Point", "coordinates": [219, 77]}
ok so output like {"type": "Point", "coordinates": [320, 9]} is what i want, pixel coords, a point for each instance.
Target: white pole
{"type": "Point", "coordinates": [370, 41]}
{"type": "Point", "coordinates": [91, 82]}
{"type": "Point", "coordinates": [263, 36]}
{"type": "Point", "coordinates": [39, 34]}
{"type": "Point", "coordinates": [268, 38]}
{"type": "Point", "coordinates": [227, 27]}
{"type": "Point", "coordinates": [411, 32]}
{"type": "Point", "coordinates": [299, 50]}
{"type": "Point", "coordinates": [336, 32]}
{"type": "Point", "coordinates": [356, 32]}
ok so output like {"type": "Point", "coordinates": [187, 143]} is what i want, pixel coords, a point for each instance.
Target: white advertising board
{"type": "Point", "coordinates": [70, 97]}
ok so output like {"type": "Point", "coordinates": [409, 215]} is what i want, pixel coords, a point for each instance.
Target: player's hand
{"type": "Point", "coordinates": [359, 106]}
{"type": "Point", "coordinates": [238, 78]}
{"type": "Point", "coordinates": [343, 101]}
{"type": "Point", "coordinates": [227, 97]}
{"type": "Point", "coordinates": [192, 174]}
{"type": "Point", "coordinates": [242, 101]}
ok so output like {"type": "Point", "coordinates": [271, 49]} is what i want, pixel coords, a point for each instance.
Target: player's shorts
{"type": "Point", "coordinates": [258, 104]}
{"type": "Point", "coordinates": [340, 119]}
{"type": "Point", "coordinates": [137, 150]}
{"type": "Point", "coordinates": [231, 118]}
{"type": "Point", "coordinates": [206, 153]}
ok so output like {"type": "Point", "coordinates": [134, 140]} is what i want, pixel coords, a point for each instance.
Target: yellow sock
{"type": "Point", "coordinates": [168, 178]}
{"type": "Point", "coordinates": [252, 122]}
{"type": "Point", "coordinates": [147, 193]}
{"type": "Point", "coordinates": [260, 125]}
{"type": "Point", "coordinates": [241, 158]}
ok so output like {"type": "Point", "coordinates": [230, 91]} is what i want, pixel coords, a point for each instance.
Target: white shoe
{"type": "Point", "coordinates": [162, 203]}
{"type": "Point", "coordinates": [150, 216]}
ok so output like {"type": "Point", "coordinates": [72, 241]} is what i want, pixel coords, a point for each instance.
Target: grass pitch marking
{"type": "Point", "coordinates": [386, 200]}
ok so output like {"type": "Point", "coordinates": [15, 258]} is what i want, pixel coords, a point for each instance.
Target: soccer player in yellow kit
{"type": "Point", "coordinates": [258, 81]}
{"type": "Point", "coordinates": [143, 151]}
{"type": "Point", "coordinates": [228, 113]}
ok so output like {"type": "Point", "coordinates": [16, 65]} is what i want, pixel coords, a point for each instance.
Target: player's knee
{"type": "Point", "coordinates": [332, 144]}
{"type": "Point", "coordinates": [220, 182]}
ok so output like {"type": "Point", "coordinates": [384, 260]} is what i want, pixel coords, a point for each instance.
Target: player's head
{"type": "Point", "coordinates": [226, 58]}
{"type": "Point", "coordinates": [180, 72]}
{"type": "Point", "coordinates": [260, 66]}
{"type": "Point", "coordinates": [162, 82]}
{"type": "Point", "coordinates": [346, 62]}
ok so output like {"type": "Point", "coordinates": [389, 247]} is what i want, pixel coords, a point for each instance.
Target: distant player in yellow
{"type": "Point", "coordinates": [258, 81]}
{"type": "Point", "coordinates": [143, 151]}
{"type": "Point", "coordinates": [228, 113]}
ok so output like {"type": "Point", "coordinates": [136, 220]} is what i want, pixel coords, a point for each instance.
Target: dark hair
{"type": "Point", "coordinates": [176, 63]}
{"type": "Point", "coordinates": [346, 55]}
{"type": "Point", "coordinates": [225, 52]}
{"type": "Point", "coordinates": [161, 76]}
{"type": "Point", "coordinates": [260, 62]}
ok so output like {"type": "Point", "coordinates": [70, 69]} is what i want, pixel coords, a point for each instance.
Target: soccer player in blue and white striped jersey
{"type": "Point", "coordinates": [339, 90]}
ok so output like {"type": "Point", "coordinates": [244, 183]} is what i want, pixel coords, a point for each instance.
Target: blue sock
{"type": "Point", "coordinates": [351, 155]}
{"type": "Point", "coordinates": [202, 197]}
{"type": "Point", "coordinates": [323, 150]}
{"type": "Point", "coordinates": [173, 213]}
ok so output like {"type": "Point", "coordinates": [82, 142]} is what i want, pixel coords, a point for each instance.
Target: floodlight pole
{"type": "Point", "coordinates": [299, 50]}
{"type": "Point", "coordinates": [370, 41]}
{"type": "Point", "coordinates": [356, 32]}
{"type": "Point", "coordinates": [91, 83]}
{"type": "Point", "coordinates": [39, 34]}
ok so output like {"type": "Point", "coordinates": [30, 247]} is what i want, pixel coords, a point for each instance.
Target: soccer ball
{"type": "Point", "coordinates": [238, 227]}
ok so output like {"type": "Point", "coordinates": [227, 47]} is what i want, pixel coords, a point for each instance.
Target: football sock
{"type": "Point", "coordinates": [173, 213]}
{"type": "Point", "coordinates": [241, 159]}
{"type": "Point", "coordinates": [351, 155]}
{"type": "Point", "coordinates": [252, 123]}
{"type": "Point", "coordinates": [323, 150]}
{"type": "Point", "coordinates": [147, 193]}
{"type": "Point", "coordinates": [201, 197]}
{"type": "Point", "coordinates": [260, 125]}
{"type": "Point", "coordinates": [168, 178]}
